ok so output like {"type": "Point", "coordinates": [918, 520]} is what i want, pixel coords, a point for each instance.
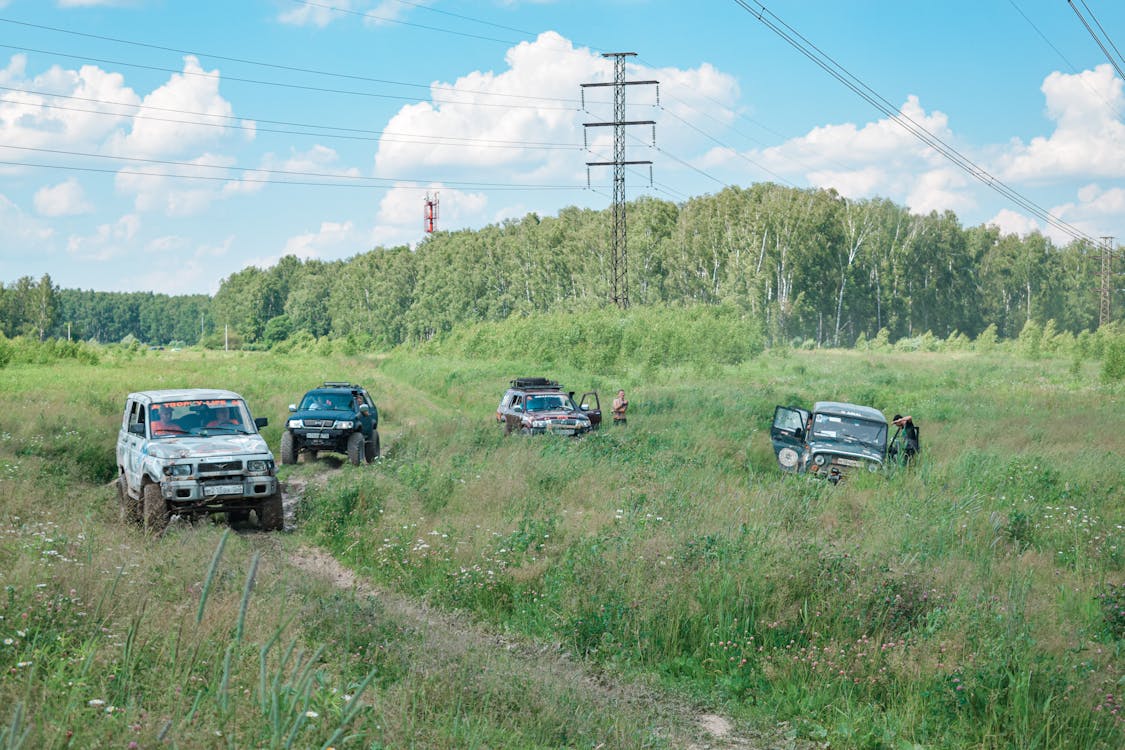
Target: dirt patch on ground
{"type": "Point", "coordinates": [454, 635]}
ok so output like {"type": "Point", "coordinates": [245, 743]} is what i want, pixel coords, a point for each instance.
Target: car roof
{"type": "Point", "coordinates": [850, 410]}
{"type": "Point", "coordinates": [184, 394]}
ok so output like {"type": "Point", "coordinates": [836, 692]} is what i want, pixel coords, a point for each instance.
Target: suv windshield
{"type": "Point", "coordinates": [328, 401]}
{"type": "Point", "coordinates": [849, 430]}
{"type": "Point", "coordinates": [551, 402]}
{"type": "Point", "coordinates": [175, 418]}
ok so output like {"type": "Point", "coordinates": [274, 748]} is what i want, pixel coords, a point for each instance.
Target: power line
{"type": "Point", "coordinates": [357, 179]}
{"type": "Point", "coordinates": [278, 66]}
{"type": "Point", "coordinates": [280, 84]}
{"type": "Point", "coordinates": [1115, 62]}
{"type": "Point", "coordinates": [238, 123]}
{"type": "Point", "coordinates": [865, 92]}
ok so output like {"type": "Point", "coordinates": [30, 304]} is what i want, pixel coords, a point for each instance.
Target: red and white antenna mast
{"type": "Point", "coordinates": [430, 212]}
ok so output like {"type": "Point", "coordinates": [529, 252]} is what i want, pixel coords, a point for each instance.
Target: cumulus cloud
{"type": "Point", "coordinates": [185, 266]}
{"type": "Point", "coordinates": [65, 199]}
{"type": "Point", "coordinates": [373, 14]}
{"type": "Point", "coordinates": [62, 109]}
{"type": "Point", "coordinates": [18, 228]}
{"type": "Point", "coordinates": [516, 119]}
{"type": "Point", "coordinates": [1089, 135]}
{"type": "Point", "coordinates": [185, 189]}
{"type": "Point", "coordinates": [194, 91]}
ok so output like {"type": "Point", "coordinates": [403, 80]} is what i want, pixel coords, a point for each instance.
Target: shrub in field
{"type": "Point", "coordinates": [986, 339]}
{"type": "Point", "coordinates": [1031, 340]}
{"type": "Point", "coordinates": [1113, 362]}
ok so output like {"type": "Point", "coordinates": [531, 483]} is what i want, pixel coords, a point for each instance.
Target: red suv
{"type": "Point", "coordinates": [536, 405]}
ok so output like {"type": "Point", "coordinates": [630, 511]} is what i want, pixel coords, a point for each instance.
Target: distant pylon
{"type": "Point", "coordinates": [430, 213]}
{"type": "Point", "coordinates": [620, 253]}
{"type": "Point", "coordinates": [1105, 309]}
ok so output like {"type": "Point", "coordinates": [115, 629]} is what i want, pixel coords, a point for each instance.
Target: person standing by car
{"type": "Point", "coordinates": [620, 405]}
{"type": "Point", "coordinates": [910, 444]}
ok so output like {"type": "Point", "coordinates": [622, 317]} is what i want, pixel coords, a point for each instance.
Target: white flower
{"type": "Point", "coordinates": [311, 714]}
{"type": "Point", "coordinates": [95, 702]}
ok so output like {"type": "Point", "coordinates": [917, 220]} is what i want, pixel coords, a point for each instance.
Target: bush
{"type": "Point", "coordinates": [1113, 363]}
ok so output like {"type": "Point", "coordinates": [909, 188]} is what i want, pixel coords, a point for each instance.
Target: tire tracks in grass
{"type": "Point", "coordinates": [451, 637]}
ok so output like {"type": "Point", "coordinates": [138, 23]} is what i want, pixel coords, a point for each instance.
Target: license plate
{"type": "Point", "coordinates": [849, 462]}
{"type": "Point", "coordinates": [223, 489]}
{"type": "Point", "coordinates": [318, 436]}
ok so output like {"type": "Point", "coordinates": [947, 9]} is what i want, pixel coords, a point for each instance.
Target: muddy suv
{"type": "Point", "coordinates": [830, 441]}
{"type": "Point", "coordinates": [338, 417]}
{"type": "Point", "coordinates": [193, 452]}
{"type": "Point", "coordinates": [534, 406]}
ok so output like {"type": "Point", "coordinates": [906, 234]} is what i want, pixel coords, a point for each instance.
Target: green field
{"type": "Point", "coordinates": [599, 592]}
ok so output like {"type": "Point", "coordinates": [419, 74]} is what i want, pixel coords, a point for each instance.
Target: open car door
{"type": "Point", "coordinates": [592, 408]}
{"type": "Point", "coordinates": [787, 433]}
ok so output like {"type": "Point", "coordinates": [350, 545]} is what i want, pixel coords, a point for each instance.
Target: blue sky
{"type": "Point", "coordinates": [163, 145]}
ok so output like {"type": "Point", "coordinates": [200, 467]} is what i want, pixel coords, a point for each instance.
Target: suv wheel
{"type": "Point", "coordinates": [355, 448]}
{"type": "Point", "coordinates": [271, 513]}
{"type": "Point", "coordinates": [288, 453]}
{"type": "Point", "coordinates": [371, 447]}
{"type": "Point", "coordinates": [155, 509]}
{"type": "Point", "coordinates": [130, 508]}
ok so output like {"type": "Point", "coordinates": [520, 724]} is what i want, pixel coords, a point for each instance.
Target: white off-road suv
{"type": "Point", "coordinates": [192, 452]}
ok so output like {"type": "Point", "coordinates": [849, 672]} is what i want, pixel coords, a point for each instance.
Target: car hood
{"type": "Point", "coordinates": [216, 445]}
{"type": "Point", "coordinates": [851, 450]}
{"type": "Point", "coordinates": [557, 414]}
{"type": "Point", "coordinates": [333, 414]}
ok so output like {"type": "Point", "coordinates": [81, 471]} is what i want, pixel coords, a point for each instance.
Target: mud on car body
{"type": "Point", "coordinates": [832, 440]}
{"type": "Point", "coordinates": [533, 406]}
{"type": "Point", "coordinates": [336, 416]}
{"type": "Point", "coordinates": [193, 452]}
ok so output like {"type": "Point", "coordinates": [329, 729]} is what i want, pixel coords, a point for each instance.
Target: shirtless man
{"type": "Point", "coordinates": [620, 404]}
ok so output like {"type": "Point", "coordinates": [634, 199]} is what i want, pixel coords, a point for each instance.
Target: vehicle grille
{"type": "Point", "coordinates": [220, 466]}
{"type": "Point", "coordinates": [318, 422]}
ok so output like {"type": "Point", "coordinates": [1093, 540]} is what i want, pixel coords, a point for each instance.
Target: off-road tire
{"type": "Point", "coordinates": [355, 448]}
{"type": "Point", "coordinates": [155, 509]}
{"type": "Point", "coordinates": [130, 508]}
{"type": "Point", "coordinates": [271, 513]}
{"type": "Point", "coordinates": [288, 452]}
{"type": "Point", "coordinates": [371, 447]}
{"type": "Point", "coordinates": [238, 516]}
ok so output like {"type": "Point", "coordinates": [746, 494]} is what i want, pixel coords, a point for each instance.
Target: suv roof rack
{"type": "Point", "coordinates": [534, 383]}
{"type": "Point", "coordinates": [337, 384]}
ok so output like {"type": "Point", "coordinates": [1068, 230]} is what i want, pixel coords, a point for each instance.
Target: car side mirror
{"type": "Point", "coordinates": [584, 407]}
{"type": "Point", "coordinates": [137, 429]}
{"type": "Point", "coordinates": [261, 422]}
{"type": "Point", "coordinates": [799, 433]}
{"type": "Point", "coordinates": [364, 409]}
{"type": "Point", "coordinates": [517, 407]}
{"type": "Point", "coordinates": [292, 407]}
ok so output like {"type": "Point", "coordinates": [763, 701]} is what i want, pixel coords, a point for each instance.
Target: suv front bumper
{"type": "Point", "coordinates": [218, 491]}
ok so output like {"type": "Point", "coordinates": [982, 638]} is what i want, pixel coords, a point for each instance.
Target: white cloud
{"type": "Point", "coordinates": [163, 188]}
{"type": "Point", "coordinates": [184, 267]}
{"type": "Point", "coordinates": [65, 199]}
{"type": "Point", "coordinates": [332, 240]}
{"type": "Point", "coordinates": [317, 15]}
{"type": "Point", "coordinates": [319, 159]}
{"type": "Point", "coordinates": [194, 91]}
{"type": "Point", "coordinates": [108, 241]}
{"type": "Point", "coordinates": [1089, 136]}
{"type": "Point", "coordinates": [1011, 222]}
{"type": "Point", "coordinates": [399, 220]}
{"type": "Point", "coordinates": [480, 119]}
{"type": "Point", "coordinates": [62, 109]}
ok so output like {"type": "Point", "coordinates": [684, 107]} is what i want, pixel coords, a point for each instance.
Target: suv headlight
{"type": "Point", "coordinates": [539, 423]}
{"type": "Point", "coordinates": [177, 470]}
{"type": "Point", "coordinates": [343, 424]}
{"type": "Point", "coordinates": [259, 466]}
{"type": "Point", "coordinates": [295, 424]}
{"type": "Point", "coordinates": [820, 459]}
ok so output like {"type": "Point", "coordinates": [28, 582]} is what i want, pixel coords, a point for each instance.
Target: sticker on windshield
{"type": "Point", "coordinates": [826, 433]}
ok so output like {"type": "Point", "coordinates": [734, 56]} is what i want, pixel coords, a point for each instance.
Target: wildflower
{"type": "Point", "coordinates": [311, 714]}
{"type": "Point", "coordinates": [95, 702]}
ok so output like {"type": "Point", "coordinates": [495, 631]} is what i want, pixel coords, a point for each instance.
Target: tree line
{"type": "Point", "coordinates": [809, 265]}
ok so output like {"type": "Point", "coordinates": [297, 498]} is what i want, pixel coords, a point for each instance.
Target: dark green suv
{"type": "Point", "coordinates": [338, 417]}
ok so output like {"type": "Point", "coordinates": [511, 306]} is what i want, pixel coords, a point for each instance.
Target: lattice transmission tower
{"type": "Point", "coordinates": [620, 260]}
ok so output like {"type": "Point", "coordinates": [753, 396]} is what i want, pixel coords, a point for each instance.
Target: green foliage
{"type": "Point", "coordinates": [1031, 340]}
{"type": "Point", "coordinates": [986, 340]}
{"type": "Point", "coordinates": [1113, 362]}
